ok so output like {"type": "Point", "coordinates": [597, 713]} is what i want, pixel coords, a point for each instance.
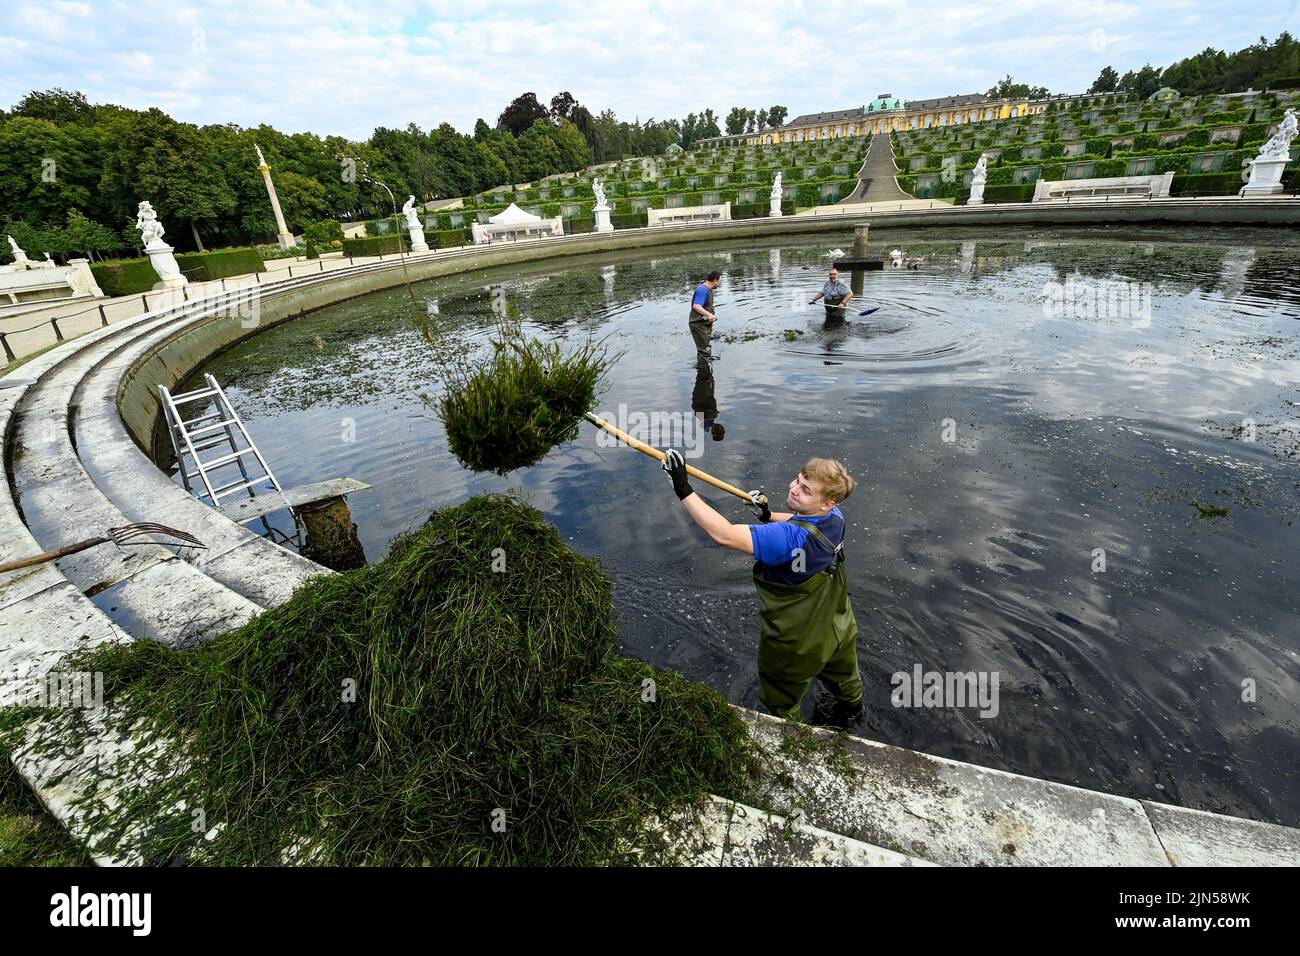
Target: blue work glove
{"type": "Point", "coordinates": [674, 466]}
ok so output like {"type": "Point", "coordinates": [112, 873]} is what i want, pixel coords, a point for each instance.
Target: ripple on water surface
{"type": "Point", "coordinates": [1001, 443]}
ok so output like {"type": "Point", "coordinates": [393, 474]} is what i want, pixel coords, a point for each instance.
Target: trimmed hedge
{"type": "Point", "coordinates": [1207, 184]}
{"type": "Point", "coordinates": [1023, 192]}
{"type": "Point", "coordinates": [630, 220]}
{"type": "Point", "coordinates": [221, 264]}
{"type": "Point", "coordinates": [124, 276]}
{"type": "Point", "coordinates": [372, 246]}
{"type": "Point", "coordinates": [759, 210]}
{"type": "Point", "coordinates": [447, 238]}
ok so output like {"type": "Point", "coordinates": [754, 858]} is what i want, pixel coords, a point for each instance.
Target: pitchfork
{"type": "Point", "coordinates": [125, 536]}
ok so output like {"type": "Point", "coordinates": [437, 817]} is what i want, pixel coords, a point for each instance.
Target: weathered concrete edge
{"type": "Point", "coordinates": [726, 833]}
{"type": "Point", "coordinates": [967, 825]}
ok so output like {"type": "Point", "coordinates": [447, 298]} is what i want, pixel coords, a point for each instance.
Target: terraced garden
{"type": "Point", "coordinates": [1203, 140]}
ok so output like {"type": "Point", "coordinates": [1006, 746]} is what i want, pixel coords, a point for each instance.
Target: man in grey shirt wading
{"type": "Point", "coordinates": [836, 294]}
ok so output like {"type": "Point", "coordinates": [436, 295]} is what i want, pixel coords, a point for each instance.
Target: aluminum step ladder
{"type": "Point", "coordinates": [223, 431]}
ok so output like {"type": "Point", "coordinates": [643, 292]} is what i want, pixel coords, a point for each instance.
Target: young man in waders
{"type": "Point", "coordinates": [702, 317]}
{"type": "Point", "coordinates": [807, 625]}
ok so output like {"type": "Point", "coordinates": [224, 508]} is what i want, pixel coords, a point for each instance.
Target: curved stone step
{"type": "Point", "coordinates": [145, 588]}
{"type": "Point", "coordinates": [252, 566]}
{"type": "Point", "coordinates": [960, 814]}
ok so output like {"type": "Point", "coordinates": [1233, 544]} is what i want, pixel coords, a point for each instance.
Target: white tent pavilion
{"type": "Point", "coordinates": [513, 223]}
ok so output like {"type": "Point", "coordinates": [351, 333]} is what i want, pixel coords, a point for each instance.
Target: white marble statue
{"type": "Point", "coordinates": [146, 220]}
{"type": "Point", "coordinates": [160, 254]}
{"type": "Point", "coordinates": [261, 160]}
{"type": "Point", "coordinates": [601, 210]}
{"type": "Point", "coordinates": [412, 216]}
{"type": "Point", "coordinates": [979, 176]}
{"type": "Point", "coordinates": [1279, 145]}
{"type": "Point", "coordinates": [20, 258]}
{"type": "Point", "coordinates": [1266, 169]}
{"type": "Point", "coordinates": [774, 207]}
{"type": "Point", "coordinates": [414, 227]}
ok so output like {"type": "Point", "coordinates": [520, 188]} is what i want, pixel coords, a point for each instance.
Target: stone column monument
{"type": "Point", "coordinates": [414, 227]}
{"type": "Point", "coordinates": [284, 237]}
{"type": "Point", "coordinates": [160, 254]}
{"type": "Point", "coordinates": [1266, 168]}
{"type": "Point", "coordinates": [978, 178]}
{"type": "Point", "coordinates": [774, 210]}
{"type": "Point", "coordinates": [601, 209]}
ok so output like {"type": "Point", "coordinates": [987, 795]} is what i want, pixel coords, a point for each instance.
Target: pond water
{"type": "Point", "coordinates": [1076, 456]}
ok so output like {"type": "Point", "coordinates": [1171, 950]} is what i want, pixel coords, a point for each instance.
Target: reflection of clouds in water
{"type": "Point", "coordinates": [1071, 434]}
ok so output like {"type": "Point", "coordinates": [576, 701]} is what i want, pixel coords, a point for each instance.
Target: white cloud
{"type": "Point", "coordinates": [334, 67]}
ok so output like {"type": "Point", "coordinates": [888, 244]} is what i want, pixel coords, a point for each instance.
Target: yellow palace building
{"type": "Point", "coordinates": [889, 113]}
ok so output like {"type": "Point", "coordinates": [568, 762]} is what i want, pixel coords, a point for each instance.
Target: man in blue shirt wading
{"type": "Point", "coordinates": [702, 318]}
{"type": "Point", "coordinates": [807, 626]}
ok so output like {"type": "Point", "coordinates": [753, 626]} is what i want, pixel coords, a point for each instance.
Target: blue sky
{"type": "Point", "coordinates": [333, 67]}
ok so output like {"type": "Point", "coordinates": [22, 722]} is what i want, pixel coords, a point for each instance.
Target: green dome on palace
{"type": "Point", "coordinates": [885, 101]}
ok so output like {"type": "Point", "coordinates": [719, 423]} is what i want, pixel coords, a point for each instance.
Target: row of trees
{"type": "Point", "coordinates": [1210, 71]}
{"type": "Point", "coordinates": [741, 120]}
{"type": "Point", "coordinates": [1009, 89]}
{"type": "Point", "coordinates": [607, 137]}
{"type": "Point", "coordinates": [59, 154]}
{"type": "Point", "coordinates": [76, 236]}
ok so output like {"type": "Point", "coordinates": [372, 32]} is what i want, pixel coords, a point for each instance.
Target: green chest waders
{"type": "Point", "coordinates": [807, 631]}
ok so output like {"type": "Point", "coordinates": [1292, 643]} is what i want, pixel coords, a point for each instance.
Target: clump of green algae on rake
{"type": "Point", "coordinates": [488, 690]}
{"type": "Point", "coordinates": [528, 398]}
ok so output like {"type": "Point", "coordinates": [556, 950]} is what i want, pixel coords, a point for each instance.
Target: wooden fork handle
{"type": "Point", "coordinates": [51, 555]}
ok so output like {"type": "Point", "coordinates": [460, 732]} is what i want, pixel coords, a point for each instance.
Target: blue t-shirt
{"type": "Point", "coordinates": [703, 296]}
{"type": "Point", "coordinates": [775, 544]}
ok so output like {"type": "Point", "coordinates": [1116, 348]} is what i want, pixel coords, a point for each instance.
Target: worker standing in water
{"type": "Point", "coordinates": [836, 294]}
{"type": "Point", "coordinates": [808, 630]}
{"type": "Point", "coordinates": [702, 316]}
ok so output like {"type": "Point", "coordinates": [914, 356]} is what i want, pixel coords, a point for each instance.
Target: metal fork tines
{"type": "Point", "coordinates": [138, 534]}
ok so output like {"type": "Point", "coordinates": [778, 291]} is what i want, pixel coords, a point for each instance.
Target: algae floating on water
{"type": "Point", "coordinates": [395, 713]}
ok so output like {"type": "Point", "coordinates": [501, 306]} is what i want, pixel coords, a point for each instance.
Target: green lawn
{"type": "Point", "coordinates": [29, 836]}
